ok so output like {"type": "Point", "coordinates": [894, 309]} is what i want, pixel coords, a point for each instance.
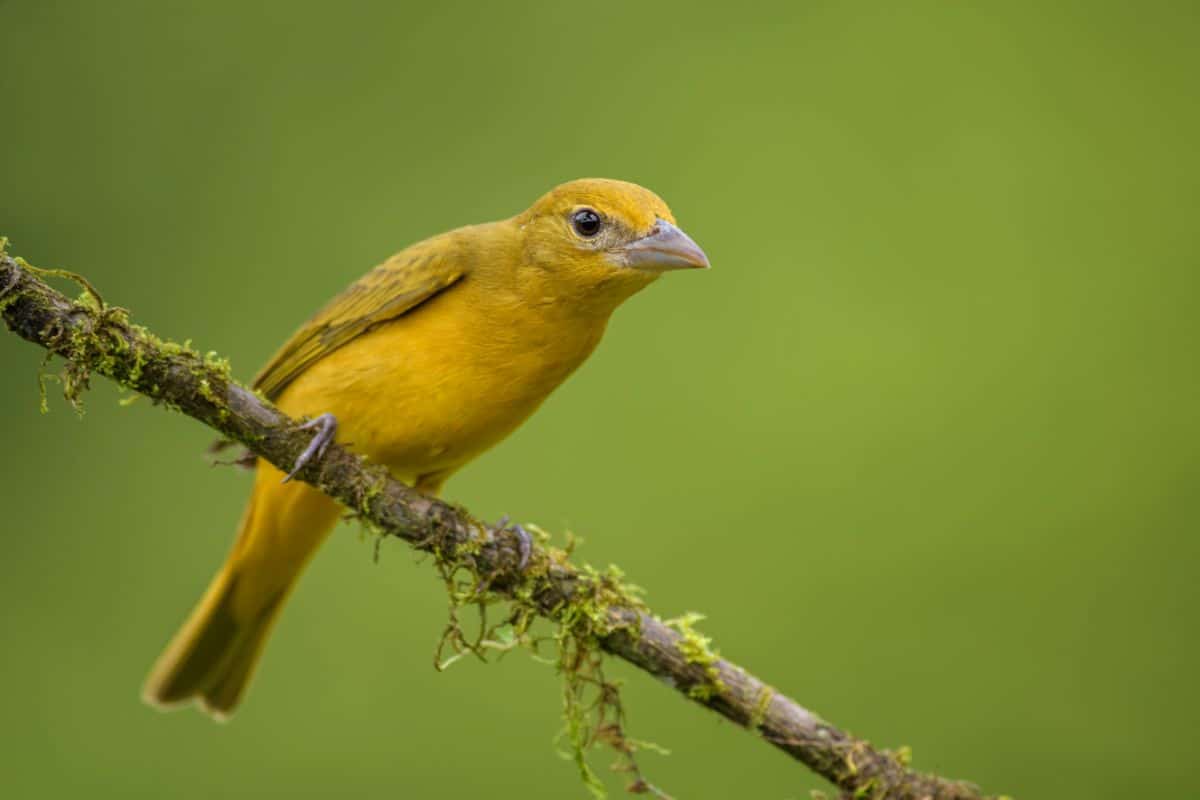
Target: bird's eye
{"type": "Point", "coordinates": [586, 222]}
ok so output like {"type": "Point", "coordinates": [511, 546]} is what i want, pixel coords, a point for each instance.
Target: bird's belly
{"type": "Point", "coordinates": [425, 398]}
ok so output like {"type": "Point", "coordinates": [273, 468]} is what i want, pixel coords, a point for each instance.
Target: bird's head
{"type": "Point", "coordinates": [605, 237]}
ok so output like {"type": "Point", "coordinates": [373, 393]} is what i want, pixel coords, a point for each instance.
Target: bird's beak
{"type": "Point", "coordinates": [665, 248]}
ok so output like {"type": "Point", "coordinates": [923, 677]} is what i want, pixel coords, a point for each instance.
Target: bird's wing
{"type": "Point", "coordinates": [395, 287]}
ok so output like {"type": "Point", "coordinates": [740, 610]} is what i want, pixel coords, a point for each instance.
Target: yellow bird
{"type": "Point", "coordinates": [423, 364]}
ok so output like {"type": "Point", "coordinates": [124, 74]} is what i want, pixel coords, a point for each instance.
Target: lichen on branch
{"type": "Point", "coordinates": [590, 611]}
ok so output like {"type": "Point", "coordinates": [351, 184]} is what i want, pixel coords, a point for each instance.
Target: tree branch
{"type": "Point", "coordinates": [94, 337]}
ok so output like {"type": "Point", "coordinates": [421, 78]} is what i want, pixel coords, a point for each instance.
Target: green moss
{"type": "Point", "coordinates": [867, 790]}
{"type": "Point", "coordinates": [102, 339]}
{"type": "Point", "coordinates": [92, 343]}
{"type": "Point", "coordinates": [592, 710]}
{"type": "Point", "coordinates": [216, 363]}
{"type": "Point", "coordinates": [377, 477]}
{"type": "Point", "coordinates": [761, 705]}
{"type": "Point", "coordinates": [93, 299]}
{"type": "Point", "coordinates": [695, 648]}
{"type": "Point", "coordinates": [7, 295]}
{"type": "Point", "coordinates": [42, 377]}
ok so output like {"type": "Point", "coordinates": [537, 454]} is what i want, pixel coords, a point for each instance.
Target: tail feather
{"type": "Point", "coordinates": [212, 657]}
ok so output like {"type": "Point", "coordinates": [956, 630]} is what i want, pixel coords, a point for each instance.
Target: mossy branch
{"type": "Point", "coordinates": [596, 609]}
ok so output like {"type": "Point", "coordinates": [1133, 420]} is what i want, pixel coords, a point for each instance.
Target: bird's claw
{"type": "Point", "coordinates": [326, 428]}
{"type": "Point", "coordinates": [524, 540]}
{"type": "Point", "coordinates": [524, 545]}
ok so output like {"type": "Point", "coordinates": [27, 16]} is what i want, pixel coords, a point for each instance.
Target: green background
{"type": "Point", "coordinates": [922, 444]}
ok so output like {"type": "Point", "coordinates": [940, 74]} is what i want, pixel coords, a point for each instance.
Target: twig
{"type": "Point", "coordinates": [97, 338]}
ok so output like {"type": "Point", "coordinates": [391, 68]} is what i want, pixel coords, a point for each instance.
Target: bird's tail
{"type": "Point", "coordinates": [212, 657]}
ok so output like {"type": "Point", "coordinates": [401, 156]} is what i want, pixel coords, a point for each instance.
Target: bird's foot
{"type": "Point", "coordinates": [524, 540]}
{"type": "Point", "coordinates": [524, 546]}
{"type": "Point", "coordinates": [325, 426]}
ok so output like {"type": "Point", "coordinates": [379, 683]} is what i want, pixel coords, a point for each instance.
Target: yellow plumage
{"type": "Point", "coordinates": [427, 361]}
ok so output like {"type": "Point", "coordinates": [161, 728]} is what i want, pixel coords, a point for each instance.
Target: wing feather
{"type": "Point", "coordinates": [392, 289]}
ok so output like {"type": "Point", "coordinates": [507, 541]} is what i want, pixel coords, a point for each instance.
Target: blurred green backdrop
{"type": "Point", "coordinates": [923, 444]}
